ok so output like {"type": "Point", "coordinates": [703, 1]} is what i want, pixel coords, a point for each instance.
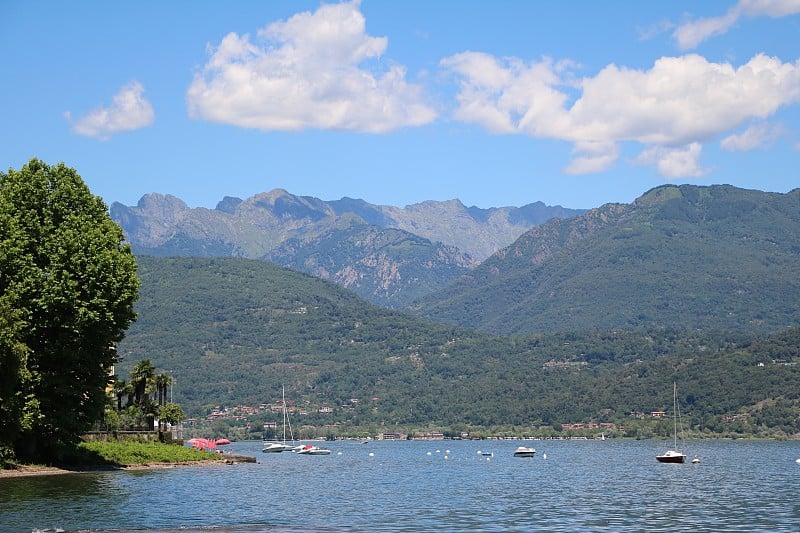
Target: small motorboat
{"type": "Point", "coordinates": [308, 449]}
{"type": "Point", "coordinates": [524, 451]}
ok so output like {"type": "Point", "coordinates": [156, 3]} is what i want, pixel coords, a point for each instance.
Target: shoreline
{"type": "Point", "coordinates": [34, 470]}
{"type": "Point", "coordinates": [39, 470]}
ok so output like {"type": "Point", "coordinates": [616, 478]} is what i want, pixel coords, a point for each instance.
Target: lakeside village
{"type": "Point", "coordinates": [244, 422]}
{"type": "Point", "coordinates": [241, 416]}
{"type": "Point", "coordinates": [142, 401]}
{"type": "Point", "coordinates": [241, 419]}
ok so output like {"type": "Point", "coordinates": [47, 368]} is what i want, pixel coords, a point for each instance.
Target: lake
{"type": "Point", "coordinates": [430, 485]}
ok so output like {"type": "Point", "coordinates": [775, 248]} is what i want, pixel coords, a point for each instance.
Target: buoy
{"type": "Point", "coordinates": [371, 454]}
{"type": "Point", "coordinates": [798, 461]}
{"type": "Point", "coordinates": [544, 456]}
{"type": "Point", "coordinates": [429, 453]}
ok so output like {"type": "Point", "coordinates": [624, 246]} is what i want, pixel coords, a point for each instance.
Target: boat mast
{"type": "Point", "coordinates": [675, 415]}
{"type": "Point", "coordinates": [283, 399]}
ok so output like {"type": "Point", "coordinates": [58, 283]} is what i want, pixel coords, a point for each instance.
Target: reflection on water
{"type": "Point", "coordinates": [34, 489]}
{"type": "Point", "coordinates": [416, 486]}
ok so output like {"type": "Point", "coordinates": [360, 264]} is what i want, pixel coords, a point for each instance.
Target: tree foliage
{"type": "Point", "coordinates": [171, 413]}
{"type": "Point", "coordinates": [138, 402]}
{"type": "Point", "coordinates": [67, 288]}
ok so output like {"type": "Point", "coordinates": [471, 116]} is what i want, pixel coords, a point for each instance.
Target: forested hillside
{"type": "Point", "coordinates": [688, 257]}
{"type": "Point", "coordinates": [233, 332]}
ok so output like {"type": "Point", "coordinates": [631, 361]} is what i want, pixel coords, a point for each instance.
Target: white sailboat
{"type": "Point", "coordinates": [283, 446]}
{"type": "Point", "coordinates": [673, 455]}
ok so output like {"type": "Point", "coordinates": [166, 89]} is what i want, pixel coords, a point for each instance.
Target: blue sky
{"type": "Point", "coordinates": [574, 103]}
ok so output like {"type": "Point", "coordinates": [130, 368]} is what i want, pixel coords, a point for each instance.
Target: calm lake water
{"type": "Point", "coordinates": [424, 486]}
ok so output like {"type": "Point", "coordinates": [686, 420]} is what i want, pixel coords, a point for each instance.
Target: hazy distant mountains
{"type": "Point", "coordinates": [386, 254]}
{"type": "Point", "coordinates": [689, 257]}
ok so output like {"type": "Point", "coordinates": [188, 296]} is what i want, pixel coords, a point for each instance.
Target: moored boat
{"type": "Point", "coordinates": [283, 446]}
{"type": "Point", "coordinates": [673, 455]}
{"type": "Point", "coordinates": [309, 449]}
{"type": "Point", "coordinates": [524, 451]}
{"type": "Point", "coordinates": [276, 447]}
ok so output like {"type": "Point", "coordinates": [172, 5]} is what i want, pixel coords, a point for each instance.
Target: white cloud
{"type": "Point", "coordinates": [646, 33]}
{"type": "Point", "coordinates": [753, 137]}
{"type": "Point", "coordinates": [678, 102]}
{"type": "Point", "coordinates": [674, 163]}
{"type": "Point", "coordinates": [594, 157]}
{"type": "Point", "coordinates": [129, 110]}
{"type": "Point", "coordinates": [690, 34]}
{"type": "Point", "coordinates": [311, 71]}
{"type": "Point", "coordinates": [507, 96]}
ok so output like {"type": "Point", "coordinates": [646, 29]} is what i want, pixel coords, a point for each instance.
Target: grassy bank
{"type": "Point", "coordinates": [116, 454]}
{"type": "Point", "coordinates": [130, 453]}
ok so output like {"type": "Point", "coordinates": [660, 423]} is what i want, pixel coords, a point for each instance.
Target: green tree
{"type": "Point", "coordinates": [122, 389]}
{"type": "Point", "coordinates": [143, 380]}
{"type": "Point", "coordinates": [71, 284]}
{"type": "Point", "coordinates": [17, 405]}
{"type": "Point", "coordinates": [162, 383]}
{"type": "Point", "coordinates": [171, 413]}
{"type": "Point", "coordinates": [142, 374]}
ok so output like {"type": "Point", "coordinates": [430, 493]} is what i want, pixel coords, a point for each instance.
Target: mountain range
{"type": "Point", "coordinates": [583, 318]}
{"type": "Point", "coordinates": [716, 257]}
{"type": "Point", "coordinates": [691, 257]}
{"type": "Point", "coordinates": [388, 255]}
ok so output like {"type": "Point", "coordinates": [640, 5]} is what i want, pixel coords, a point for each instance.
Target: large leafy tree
{"type": "Point", "coordinates": [67, 287]}
{"type": "Point", "coordinates": [16, 404]}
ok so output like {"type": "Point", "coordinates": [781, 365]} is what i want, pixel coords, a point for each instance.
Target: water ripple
{"type": "Point", "coordinates": [420, 486]}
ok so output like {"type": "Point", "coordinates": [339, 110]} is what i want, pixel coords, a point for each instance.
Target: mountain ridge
{"type": "Point", "coordinates": [304, 232]}
{"type": "Point", "coordinates": [724, 248]}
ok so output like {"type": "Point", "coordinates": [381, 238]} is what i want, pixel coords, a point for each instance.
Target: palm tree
{"type": "Point", "coordinates": [142, 376]}
{"type": "Point", "coordinates": [122, 389]}
{"type": "Point", "coordinates": [162, 382]}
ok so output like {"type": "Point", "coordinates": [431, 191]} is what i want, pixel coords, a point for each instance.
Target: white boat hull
{"type": "Point", "coordinates": [523, 451]}
{"type": "Point", "coordinates": [312, 450]}
{"type": "Point", "coordinates": [276, 447]}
